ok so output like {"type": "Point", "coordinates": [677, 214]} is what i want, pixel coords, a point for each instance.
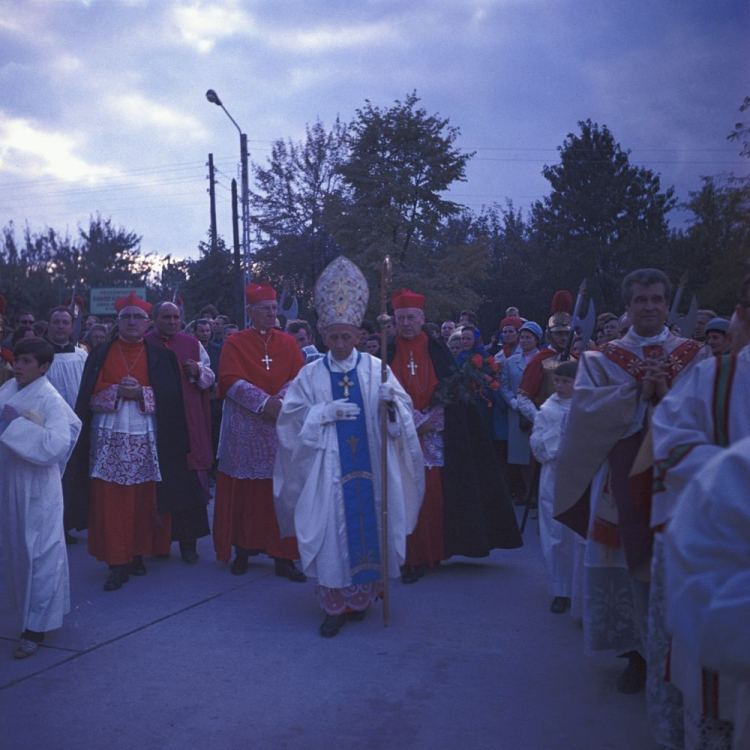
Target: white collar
{"type": "Point", "coordinates": [343, 365]}
{"type": "Point", "coordinates": [659, 338]}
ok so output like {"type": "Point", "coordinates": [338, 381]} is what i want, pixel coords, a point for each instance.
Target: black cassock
{"type": "Point", "coordinates": [180, 491]}
{"type": "Point", "coordinates": [478, 515]}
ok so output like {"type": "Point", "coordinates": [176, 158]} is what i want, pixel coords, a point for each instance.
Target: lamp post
{"type": "Point", "coordinates": [213, 97]}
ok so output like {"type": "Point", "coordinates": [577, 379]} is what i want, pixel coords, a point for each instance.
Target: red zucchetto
{"type": "Point", "coordinates": [132, 300]}
{"type": "Point", "coordinates": [259, 292]}
{"type": "Point", "coordinates": [406, 298]}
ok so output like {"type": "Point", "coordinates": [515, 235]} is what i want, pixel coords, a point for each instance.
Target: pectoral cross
{"type": "Point", "coordinates": [267, 361]}
{"type": "Point", "coordinates": [347, 384]}
{"type": "Point", "coordinates": [412, 366]}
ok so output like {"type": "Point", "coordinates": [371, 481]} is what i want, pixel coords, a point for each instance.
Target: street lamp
{"type": "Point", "coordinates": [213, 97]}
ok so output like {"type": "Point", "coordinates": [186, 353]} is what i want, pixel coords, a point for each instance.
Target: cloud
{"type": "Point", "coordinates": [30, 152]}
{"type": "Point", "coordinates": [137, 112]}
{"type": "Point", "coordinates": [203, 24]}
{"type": "Point", "coordinates": [334, 38]}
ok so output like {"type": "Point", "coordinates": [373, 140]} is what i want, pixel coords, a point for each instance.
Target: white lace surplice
{"type": "Point", "coordinates": [123, 438]}
{"type": "Point", "coordinates": [247, 443]}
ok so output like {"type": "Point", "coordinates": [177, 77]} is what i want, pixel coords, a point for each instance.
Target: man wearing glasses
{"type": "Point", "coordinates": [129, 470]}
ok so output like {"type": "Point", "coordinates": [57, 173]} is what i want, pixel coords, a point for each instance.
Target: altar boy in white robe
{"type": "Point", "coordinates": [562, 553]}
{"type": "Point", "coordinates": [327, 481]}
{"type": "Point", "coordinates": [37, 433]}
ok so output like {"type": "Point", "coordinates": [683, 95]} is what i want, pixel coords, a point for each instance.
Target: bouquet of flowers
{"type": "Point", "coordinates": [473, 380]}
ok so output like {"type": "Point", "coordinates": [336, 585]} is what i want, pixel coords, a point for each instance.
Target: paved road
{"type": "Point", "coordinates": [190, 656]}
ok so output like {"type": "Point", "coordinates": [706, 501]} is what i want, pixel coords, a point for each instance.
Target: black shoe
{"type": "Point", "coordinates": [410, 574]}
{"type": "Point", "coordinates": [287, 569]}
{"type": "Point", "coordinates": [331, 625]}
{"type": "Point", "coordinates": [69, 539]}
{"type": "Point", "coordinates": [633, 679]}
{"type": "Point", "coordinates": [187, 550]}
{"type": "Point", "coordinates": [137, 568]}
{"type": "Point", "coordinates": [559, 605]}
{"type": "Point", "coordinates": [117, 576]}
{"type": "Point", "coordinates": [239, 566]}
{"type": "Point", "coordinates": [356, 616]}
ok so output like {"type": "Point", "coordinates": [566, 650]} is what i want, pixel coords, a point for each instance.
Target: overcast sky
{"type": "Point", "coordinates": [103, 109]}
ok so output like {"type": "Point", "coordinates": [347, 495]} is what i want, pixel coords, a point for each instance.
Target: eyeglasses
{"type": "Point", "coordinates": [132, 317]}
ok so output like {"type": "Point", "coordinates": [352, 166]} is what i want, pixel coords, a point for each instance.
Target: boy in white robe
{"type": "Point", "coordinates": [559, 545]}
{"type": "Point", "coordinates": [37, 433]}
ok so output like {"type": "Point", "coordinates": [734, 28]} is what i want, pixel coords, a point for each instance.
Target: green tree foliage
{"type": "Point", "coordinates": [209, 279]}
{"type": "Point", "coordinates": [42, 271]}
{"type": "Point", "coordinates": [603, 217]}
{"type": "Point", "coordinates": [741, 130]}
{"type": "Point", "coordinates": [401, 160]}
{"type": "Point", "coordinates": [297, 192]}
{"type": "Point", "coordinates": [715, 248]}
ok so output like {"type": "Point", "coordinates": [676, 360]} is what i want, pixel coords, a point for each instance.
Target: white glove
{"type": "Point", "coordinates": [340, 409]}
{"type": "Point", "coordinates": [386, 393]}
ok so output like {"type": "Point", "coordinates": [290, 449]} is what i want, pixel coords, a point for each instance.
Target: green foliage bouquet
{"type": "Point", "coordinates": [474, 380]}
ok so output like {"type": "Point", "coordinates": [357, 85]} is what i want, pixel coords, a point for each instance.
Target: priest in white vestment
{"type": "Point", "coordinates": [37, 433]}
{"type": "Point", "coordinates": [66, 370]}
{"type": "Point", "coordinates": [603, 485]}
{"type": "Point", "coordinates": [327, 481]}
{"type": "Point", "coordinates": [694, 426]}
{"type": "Point", "coordinates": [708, 598]}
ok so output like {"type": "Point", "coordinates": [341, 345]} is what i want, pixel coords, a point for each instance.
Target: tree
{"type": "Point", "coordinates": [45, 269]}
{"type": "Point", "coordinates": [715, 247]}
{"type": "Point", "coordinates": [209, 280]}
{"type": "Point", "coordinates": [603, 218]}
{"type": "Point", "coordinates": [741, 130]}
{"type": "Point", "coordinates": [401, 160]}
{"type": "Point", "coordinates": [296, 194]}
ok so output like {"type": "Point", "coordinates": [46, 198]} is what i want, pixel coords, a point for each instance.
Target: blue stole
{"type": "Point", "coordinates": [356, 481]}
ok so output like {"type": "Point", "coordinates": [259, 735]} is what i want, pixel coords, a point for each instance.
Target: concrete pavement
{"type": "Point", "coordinates": [191, 656]}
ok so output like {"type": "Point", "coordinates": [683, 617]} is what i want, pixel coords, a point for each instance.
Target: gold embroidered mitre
{"type": "Point", "coordinates": [340, 294]}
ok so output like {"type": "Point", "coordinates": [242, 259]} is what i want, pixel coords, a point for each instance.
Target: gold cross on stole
{"type": "Point", "coordinates": [347, 384]}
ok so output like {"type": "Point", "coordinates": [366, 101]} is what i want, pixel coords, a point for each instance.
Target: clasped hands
{"type": "Point", "coordinates": [129, 388]}
{"type": "Point", "coordinates": [655, 384]}
{"type": "Point", "coordinates": [191, 369]}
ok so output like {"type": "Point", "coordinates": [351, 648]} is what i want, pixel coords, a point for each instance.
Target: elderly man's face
{"type": "Point", "coordinates": [341, 339]}
{"type": "Point", "coordinates": [132, 323]}
{"type": "Point", "coordinates": [263, 314]}
{"type": "Point", "coordinates": [409, 322]}
{"type": "Point", "coordinates": [167, 320]}
{"type": "Point", "coordinates": [447, 329]}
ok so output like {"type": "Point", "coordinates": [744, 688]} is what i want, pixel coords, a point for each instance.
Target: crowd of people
{"type": "Point", "coordinates": [348, 455]}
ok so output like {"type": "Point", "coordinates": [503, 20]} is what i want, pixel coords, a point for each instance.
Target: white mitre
{"type": "Point", "coordinates": [340, 294]}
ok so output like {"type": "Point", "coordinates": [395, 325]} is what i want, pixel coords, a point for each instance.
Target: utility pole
{"type": "Point", "coordinates": [212, 197]}
{"type": "Point", "coordinates": [213, 97]}
{"type": "Point", "coordinates": [238, 285]}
